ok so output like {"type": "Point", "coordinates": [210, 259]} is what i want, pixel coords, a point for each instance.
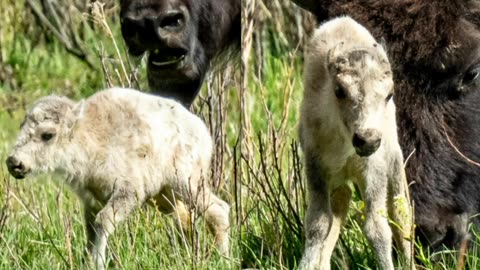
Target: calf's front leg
{"type": "Point", "coordinates": [326, 211]}
{"type": "Point", "coordinates": [376, 227]}
{"type": "Point", "coordinates": [118, 207]}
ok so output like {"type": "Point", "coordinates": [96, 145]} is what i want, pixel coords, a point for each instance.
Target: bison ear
{"type": "Point", "coordinates": [75, 113]}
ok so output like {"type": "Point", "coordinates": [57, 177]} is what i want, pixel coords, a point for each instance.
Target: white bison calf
{"type": "Point", "coordinates": [348, 133]}
{"type": "Point", "coordinates": [121, 148]}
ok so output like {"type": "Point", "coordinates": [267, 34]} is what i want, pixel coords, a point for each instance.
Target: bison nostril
{"type": "Point", "coordinates": [19, 167]}
{"type": "Point", "coordinates": [11, 162]}
{"type": "Point", "coordinates": [358, 141]}
{"type": "Point", "coordinates": [172, 21]}
{"type": "Point", "coordinates": [15, 165]}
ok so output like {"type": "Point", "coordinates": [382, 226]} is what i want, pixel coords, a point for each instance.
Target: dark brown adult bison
{"type": "Point", "coordinates": [434, 48]}
{"type": "Point", "coordinates": [181, 38]}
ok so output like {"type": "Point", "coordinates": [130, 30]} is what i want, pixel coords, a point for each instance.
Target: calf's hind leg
{"type": "Point", "coordinates": [216, 214]}
{"type": "Point", "coordinates": [214, 210]}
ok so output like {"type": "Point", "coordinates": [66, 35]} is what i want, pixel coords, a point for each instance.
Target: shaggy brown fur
{"type": "Point", "coordinates": [434, 50]}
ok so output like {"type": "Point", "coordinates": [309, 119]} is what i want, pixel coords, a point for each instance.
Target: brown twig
{"type": "Point", "coordinates": [67, 40]}
{"type": "Point", "coordinates": [456, 148]}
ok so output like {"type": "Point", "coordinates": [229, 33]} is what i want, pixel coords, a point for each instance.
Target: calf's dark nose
{"type": "Point", "coordinates": [366, 142]}
{"type": "Point", "coordinates": [16, 167]}
{"type": "Point", "coordinates": [358, 140]}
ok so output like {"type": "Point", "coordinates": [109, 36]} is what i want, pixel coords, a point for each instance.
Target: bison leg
{"type": "Point", "coordinates": [318, 220]}
{"type": "Point", "coordinates": [324, 221]}
{"type": "Point", "coordinates": [340, 199]}
{"type": "Point", "coordinates": [376, 227]}
{"type": "Point", "coordinates": [119, 206]}
{"type": "Point", "coordinates": [216, 213]}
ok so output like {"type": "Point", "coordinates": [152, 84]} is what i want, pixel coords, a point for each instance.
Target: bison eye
{"type": "Point", "coordinates": [340, 93]}
{"type": "Point", "coordinates": [471, 75]}
{"type": "Point", "coordinates": [47, 136]}
{"type": "Point", "coordinates": [389, 97]}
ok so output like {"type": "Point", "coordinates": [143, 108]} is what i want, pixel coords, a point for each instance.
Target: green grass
{"type": "Point", "coordinates": [257, 165]}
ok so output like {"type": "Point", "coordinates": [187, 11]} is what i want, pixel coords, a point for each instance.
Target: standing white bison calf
{"type": "Point", "coordinates": [348, 133]}
{"type": "Point", "coordinates": [121, 148]}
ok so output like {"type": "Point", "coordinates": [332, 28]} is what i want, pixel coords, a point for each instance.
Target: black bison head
{"type": "Point", "coordinates": [181, 37]}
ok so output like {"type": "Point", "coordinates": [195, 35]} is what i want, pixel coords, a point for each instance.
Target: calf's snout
{"type": "Point", "coordinates": [366, 142]}
{"type": "Point", "coordinates": [16, 167]}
